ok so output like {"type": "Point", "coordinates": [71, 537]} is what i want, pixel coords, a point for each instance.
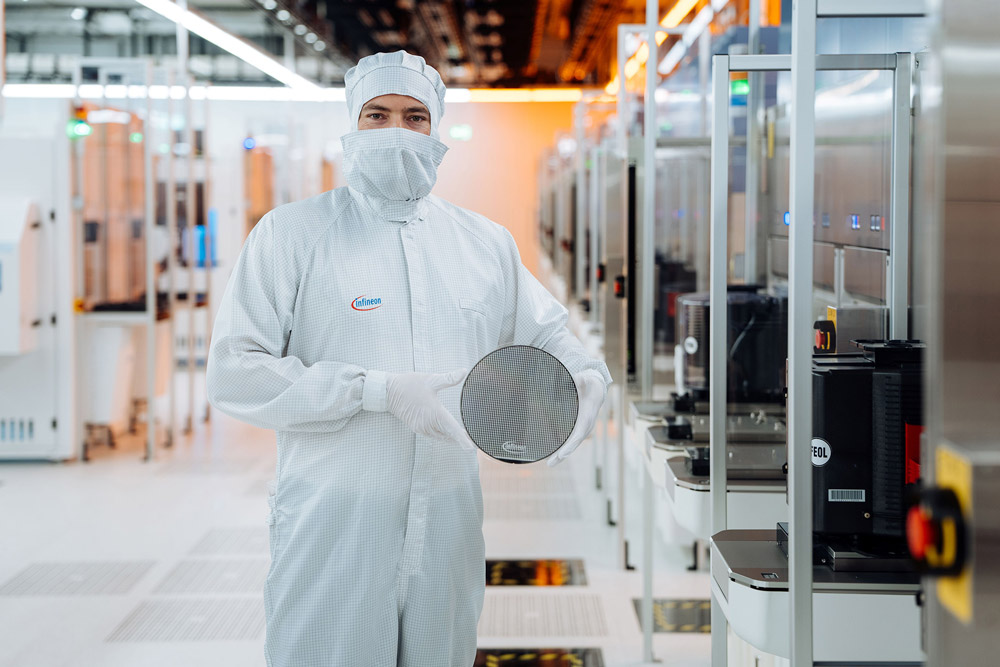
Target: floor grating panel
{"type": "Point", "coordinates": [539, 657]}
{"type": "Point", "coordinates": [250, 540]}
{"type": "Point", "coordinates": [192, 620]}
{"type": "Point", "coordinates": [76, 578]}
{"type": "Point", "coordinates": [543, 615]}
{"type": "Point", "coordinates": [216, 576]}
{"type": "Point", "coordinates": [555, 508]}
{"type": "Point", "coordinates": [213, 467]}
{"type": "Point", "coordinates": [678, 615]}
{"type": "Point", "coordinates": [535, 573]}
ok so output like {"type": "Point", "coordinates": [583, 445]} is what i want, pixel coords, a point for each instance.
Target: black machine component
{"type": "Point", "coordinates": [672, 280]}
{"type": "Point", "coordinates": [631, 271]}
{"type": "Point", "coordinates": [757, 344]}
{"type": "Point", "coordinates": [867, 422]}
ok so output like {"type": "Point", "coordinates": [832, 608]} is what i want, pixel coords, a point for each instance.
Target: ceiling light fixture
{"type": "Point", "coordinates": [78, 14]}
{"type": "Point", "coordinates": [283, 15]}
{"type": "Point", "coordinates": [227, 42]}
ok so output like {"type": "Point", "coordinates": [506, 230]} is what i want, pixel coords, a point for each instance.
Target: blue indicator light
{"type": "Point", "coordinates": [249, 143]}
{"type": "Point", "coordinates": [788, 218]}
{"type": "Point", "coordinates": [854, 221]}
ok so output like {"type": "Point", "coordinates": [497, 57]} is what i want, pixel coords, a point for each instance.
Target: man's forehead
{"type": "Point", "coordinates": [395, 100]}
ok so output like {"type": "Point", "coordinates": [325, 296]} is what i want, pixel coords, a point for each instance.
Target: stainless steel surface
{"type": "Point", "coordinates": [899, 216]}
{"type": "Point", "coordinates": [783, 62]}
{"type": "Point", "coordinates": [746, 555]}
{"type": "Point", "coordinates": [612, 257]}
{"type": "Point", "coordinates": [802, 166]}
{"type": "Point", "coordinates": [645, 227]}
{"type": "Point", "coordinates": [719, 224]}
{"type": "Point", "coordinates": [873, 8]}
{"type": "Point", "coordinates": [858, 323]}
{"type": "Point", "coordinates": [677, 470]}
{"type": "Point", "coordinates": [647, 287]}
{"type": "Point", "coordinates": [582, 210]}
{"type": "Point", "coordinates": [752, 264]}
{"type": "Point", "coordinates": [958, 176]}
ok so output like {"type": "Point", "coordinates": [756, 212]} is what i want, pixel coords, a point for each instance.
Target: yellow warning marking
{"type": "Point", "coordinates": [687, 627]}
{"type": "Point", "coordinates": [705, 628]}
{"type": "Point", "coordinates": [687, 605]}
{"type": "Point", "coordinates": [670, 605]}
{"type": "Point", "coordinates": [546, 657]}
{"type": "Point", "coordinates": [955, 473]}
{"type": "Point", "coordinates": [705, 605]}
{"type": "Point", "coordinates": [528, 656]}
{"type": "Point", "coordinates": [670, 627]}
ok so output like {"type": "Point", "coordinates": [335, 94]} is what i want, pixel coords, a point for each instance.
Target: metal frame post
{"type": "Point", "coordinates": [899, 217]}
{"type": "Point", "coordinates": [579, 234]}
{"type": "Point", "coordinates": [718, 315]}
{"type": "Point", "coordinates": [622, 97]}
{"type": "Point", "coordinates": [646, 248]}
{"type": "Point", "coordinates": [207, 206]}
{"type": "Point", "coordinates": [150, 221]}
{"type": "Point", "coordinates": [191, 190]}
{"type": "Point", "coordinates": [593, 213]}
{"type": "Point", "coordinates": [755, 100]}
{"type": "Point", "coordinates": [802, 167]}
{"type": "Point", "coordinates": [171, 196]}
{"type": "Point", "coordinates": [646, 259]}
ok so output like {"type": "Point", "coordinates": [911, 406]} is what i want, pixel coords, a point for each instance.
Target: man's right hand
{"type": "Point", "coordinates": [413, 399]}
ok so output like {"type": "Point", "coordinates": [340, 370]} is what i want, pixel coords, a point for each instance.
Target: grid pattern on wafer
{"type": "Point", "coordinates": [519, 404]}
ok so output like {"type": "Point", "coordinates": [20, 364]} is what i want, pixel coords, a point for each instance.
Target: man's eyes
{"type": "Point", "coordinates": [376, 115]}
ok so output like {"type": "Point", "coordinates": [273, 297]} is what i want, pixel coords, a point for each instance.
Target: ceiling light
{"type": "Point", "coordinates": [78, 14]}
{"type": "Point", "coordinates": [283, 15]}
{"type": "Point", "coordinates": [226, 41]}
{"type": "Point", "coordinates": [677, 13]}
{"type": "Point", "coordinates": [310, 38]}
{"type": "Point", "coordinates": [270, 5]}
{"type": "Point", "coordinates": [319, 46]}
{"type": "Point", "coordinates": [300, 30]}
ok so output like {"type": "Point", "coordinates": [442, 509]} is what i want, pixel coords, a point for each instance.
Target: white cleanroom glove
{"type": "Point", "coordinates": [413, 399]}
{"type": "Point", "coordinates": [590, 389]}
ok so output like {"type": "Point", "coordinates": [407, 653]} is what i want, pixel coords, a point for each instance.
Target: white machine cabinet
{"type": "Point", "coordinates": [20, 314]}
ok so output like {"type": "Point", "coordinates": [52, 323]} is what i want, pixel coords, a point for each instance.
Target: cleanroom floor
{"type": "Point", "coordinates": [122, 563]}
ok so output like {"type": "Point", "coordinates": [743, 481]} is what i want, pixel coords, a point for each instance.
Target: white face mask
{"type": "Point", "coordinates": [392, 163]}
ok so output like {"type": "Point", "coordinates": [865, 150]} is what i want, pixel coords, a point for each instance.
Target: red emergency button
{"type": "Point", "coordinates": [919, 532]}
{"type": "Point", "coordinates": [936, 534]}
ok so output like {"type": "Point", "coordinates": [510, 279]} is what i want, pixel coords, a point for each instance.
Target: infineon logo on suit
{"type": "Point", "coordinates": [363, 303]}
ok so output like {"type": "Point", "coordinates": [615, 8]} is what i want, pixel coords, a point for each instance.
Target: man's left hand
{"type": "Point", "coordinates": [590, 389]}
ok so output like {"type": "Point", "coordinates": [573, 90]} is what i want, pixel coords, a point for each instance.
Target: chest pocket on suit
{"type": "Point", "coordinates": [475, 334]}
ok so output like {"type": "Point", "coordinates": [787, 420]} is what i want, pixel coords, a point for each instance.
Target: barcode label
{"type": "Point", "coordinates": [846, 495]}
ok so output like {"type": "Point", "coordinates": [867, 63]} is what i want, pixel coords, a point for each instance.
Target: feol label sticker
{"type": "Point", "coordinates": [821, 452]}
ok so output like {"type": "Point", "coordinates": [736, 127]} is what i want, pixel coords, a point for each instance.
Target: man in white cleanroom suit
{"type": "Point", "coordinates": [347, 325]}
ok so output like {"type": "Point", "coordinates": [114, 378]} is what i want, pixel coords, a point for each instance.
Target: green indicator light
{"type": "Point", "coordinates": [460, 132]}
{"type": "Point", "coordinates": [135, 137]}
{"type": "Point", "coordinates": [77, 129]}
{"type": "Point", "coordinates": [739, 87]}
